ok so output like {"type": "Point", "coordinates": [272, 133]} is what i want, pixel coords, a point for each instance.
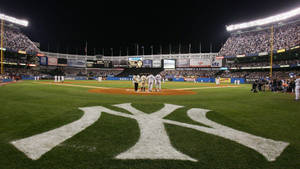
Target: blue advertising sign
{"type": "Point", "coordinates": [43, 60]}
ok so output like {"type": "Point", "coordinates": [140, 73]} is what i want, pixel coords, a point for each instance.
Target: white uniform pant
{"type": "Point", "coordinates": [158, 85]}
{"type": "Point", "coordinates": [297, 91]}
{"type": "Point", "coordinates": [150, 86]}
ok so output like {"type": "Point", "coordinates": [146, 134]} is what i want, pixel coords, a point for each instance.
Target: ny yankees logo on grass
{"type": "Point", "coordinates": [154, 142]}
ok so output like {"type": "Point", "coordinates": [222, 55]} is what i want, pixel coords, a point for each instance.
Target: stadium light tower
{"type": "Point", "coordinates": [2, 33]}
{"type": "Point", "coordinates": [13, 20]}
{"type": "Point", "coordinates": [265, 21]}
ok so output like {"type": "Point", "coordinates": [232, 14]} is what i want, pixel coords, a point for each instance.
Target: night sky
{"type": "Point", "coordinates": [65, 26]}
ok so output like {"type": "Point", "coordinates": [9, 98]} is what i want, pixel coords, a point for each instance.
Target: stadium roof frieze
{"type": "Point", "coordinates": [266, 27]}
{"type": "Point", "coordinates": [160, 56]}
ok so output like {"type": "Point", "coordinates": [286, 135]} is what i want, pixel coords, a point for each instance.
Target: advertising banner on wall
{"type": "Point", "coordinates": [225, 80]}
{"type": "Point", "coordinates": [205, 62]}
{"type": "Point", "coordinates": [90, 63]}
{"type": "Point", "coordinates": [116, 63]}
{"type": "Point", "coordinates": [169, 64]}
{"type": "Point", "coordinates": [43, 60]}
{"type": "Point", "coordinates": [62, 62]}
{"type": "Point", "coordinates": [217, 62]}
{"type": "Point", "coordinates": [156, 63]}
{"type": "Point", "coordinates": [52, 61]}
{"type": "Point", "coordinates": [76, 63]}
{"type": "Point", "coordinates": [123, 63]}
{"type": "Point", "coordinates": [183, 63]}
{"type": "Point", "coordinates": [135, 62]}
{"type": "Point", "coordinates": [147, 63]}
{"type": "Point", "coordinates": [99, 64]}
{"type": "Point", "coordinates": [189, 79]}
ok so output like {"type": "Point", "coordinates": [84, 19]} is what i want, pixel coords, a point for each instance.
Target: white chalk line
{"type": "Point", "coordinates": [35, 146]}
{"type": "Point", "coordinates": [154, 143]}
{"type": "Point", "coordinates": [201, 88]}
{"type": "Point", "coordinates": [82, 86]}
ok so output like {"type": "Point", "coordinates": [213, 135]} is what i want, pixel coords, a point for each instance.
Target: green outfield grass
{"type": "Point", "coordinates": [28, 108]}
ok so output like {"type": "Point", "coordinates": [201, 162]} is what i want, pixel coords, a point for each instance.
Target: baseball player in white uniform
{"type": "Point", "coordinates": [297, 87]}
{"type": "Point", "coordinates": [158, 82]}
{"type": "Point", "coordinates": [218, 81]}
{"type": "Point", "coordinates": [143, 81]}
{"type": "Point", "coordinates": [62, 79]}
{"type": "Point", "coordinates": [151, 80]}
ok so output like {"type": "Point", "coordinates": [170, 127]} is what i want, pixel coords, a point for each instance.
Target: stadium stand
{"type": "Point", "coordinates": [190, 73]}
{"type": "Point", "coordinates": [15, 40]}
{"type": "Point", "coordinates": [257, 41]}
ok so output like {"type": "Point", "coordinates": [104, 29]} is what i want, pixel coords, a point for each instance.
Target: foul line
{"type": "Point", "coordinates": [61, 84]}
{"type": "Point", "coordinates": [199, 88]}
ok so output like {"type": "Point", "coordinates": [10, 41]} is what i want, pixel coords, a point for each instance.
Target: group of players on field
{"type": "Point", "coordinates": [145, 79]}
{"type": "Point", "coordinates": [291, 86]}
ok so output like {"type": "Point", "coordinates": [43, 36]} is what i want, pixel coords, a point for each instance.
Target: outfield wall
{"type": "Point", "coordinates": [6, 80]}
{"type": "Point", "coordinates": [174, 79]}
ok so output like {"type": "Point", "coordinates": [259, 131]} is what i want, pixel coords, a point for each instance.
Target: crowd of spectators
{"type": "Point", "coordinates": [17, 72]}
{"type": "Point", "coordinates": [261, 64]}
{"type": "Point", "coordinates": [189, 73]}
{"type": "Point", "coordinates": [285, 85]}
{"type": "Point", "coordinates": [257, 74]}
{"type": "Point", "coordinates": [72, 72]}
{"type": "Point", "coordinates": [104, 73]}
{"type": "Point", "coordinates": [3, 77]}
{"type": "Point", "coordinates": [285, 37]}
{"type": "Point", "coordinates": [15, 40]}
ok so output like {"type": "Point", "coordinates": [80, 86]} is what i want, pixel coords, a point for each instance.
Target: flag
{"type": "Point", "coordinates": [179, 48]}
{"type": "Point", "coordinates": [200, 47]}
{"type": "Point", "coordinates": [85, 49]}
{"type": "Point", "coordinates": [151, 49]}
{"type": "Point", "coordinates": [160, 49]}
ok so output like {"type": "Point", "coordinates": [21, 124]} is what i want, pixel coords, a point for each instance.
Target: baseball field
{"type": "Point", "coordinates": [89, 125]}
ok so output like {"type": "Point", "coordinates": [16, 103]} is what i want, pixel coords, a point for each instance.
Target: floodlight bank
{"type": "Point", "coordinates": [265, 21]}
{"type": "Point", "coordinates": [14, 20]}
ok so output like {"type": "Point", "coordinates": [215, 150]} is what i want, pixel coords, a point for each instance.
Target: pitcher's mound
{"type": "Point", "coordinates": [164, 92]}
